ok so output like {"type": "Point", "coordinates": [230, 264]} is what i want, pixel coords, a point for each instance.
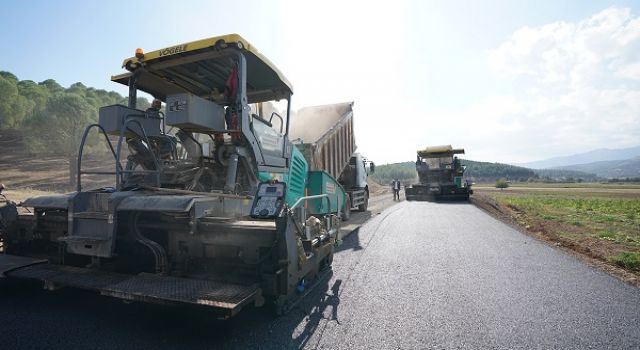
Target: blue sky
{"type": "Point", "coordinates": [420, 72]}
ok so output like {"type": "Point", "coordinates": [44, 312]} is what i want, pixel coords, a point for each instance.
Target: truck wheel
{"type": "Point", "coordinates": [365, 205]}
{"type": "Point", "coordinates": [346, 210]}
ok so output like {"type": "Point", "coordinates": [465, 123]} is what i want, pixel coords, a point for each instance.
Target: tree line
{"type": "Point", "coordinates": [475, 171]}
{"type": "Point", "coordinates": [484, 172]}
{"type": "Point", "coordinates": [490, 172]}
{"type": "Point", "coordinates": [565, 175]}
{"type": "Point", "coordinates": [405, 172]}
{"type": "Point", "coordinates": [51, 117]}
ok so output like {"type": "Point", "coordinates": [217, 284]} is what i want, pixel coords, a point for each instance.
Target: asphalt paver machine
{"type": "Point", "coordinates": [211, 205]}
{"type": "Point", "coordinates": [440, 175]}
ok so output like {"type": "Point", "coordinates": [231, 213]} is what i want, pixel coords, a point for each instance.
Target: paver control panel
{"type": "Point", "coordinates": [269, 200]}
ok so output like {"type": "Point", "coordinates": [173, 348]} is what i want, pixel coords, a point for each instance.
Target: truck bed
{"type": "Point", "coordinates": [326, 133]}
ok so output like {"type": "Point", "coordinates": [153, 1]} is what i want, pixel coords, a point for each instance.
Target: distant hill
{"type": "Point", "coordinates": [50, 117]}
{"type": "Point", "coordinates": [41, 126]}
{"type": "Point", "coordinates": [609, 169]}
{"type": "Point", "coordinates": [489, 172]}
{"type": "Point", "coordinates": [566, 175]}
{"type": "Point", "coordinates": [476, 171]}
{"type": "Point", "coordinates": [405, 172]}
{"type": "Point", "coordinates": [603, 154]}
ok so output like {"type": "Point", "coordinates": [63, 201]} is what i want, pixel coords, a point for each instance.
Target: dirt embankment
{"type": "Point", "coordinates": [563, 236]}
{"type": "Point", "coordinates": [22, 170]}
{"type": "Point", "coordinates": [376, 189]}
{"type": "Point", "coordinates": [27, 175]}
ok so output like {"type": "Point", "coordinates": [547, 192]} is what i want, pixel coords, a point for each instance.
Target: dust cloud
{"type": "Point", "coordinates": [310, 123]}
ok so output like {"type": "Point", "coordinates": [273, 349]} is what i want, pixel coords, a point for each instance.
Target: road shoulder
{"type": "Point", "coordinates": [503, 214]}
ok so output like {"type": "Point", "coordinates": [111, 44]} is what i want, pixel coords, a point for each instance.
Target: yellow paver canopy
{"type": "Point", "coordinates": [202, 67]}
{"type": "Point", "coordinates": [439, 151]}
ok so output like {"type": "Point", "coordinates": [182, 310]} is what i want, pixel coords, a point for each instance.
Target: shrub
{"type": "Point", "coordinates": [502, 183]}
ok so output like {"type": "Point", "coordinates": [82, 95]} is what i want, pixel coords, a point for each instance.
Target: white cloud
{"type": "Point", "coordinates": [575, 86]}
{"type": "Point", "coordinates": [578, 85]}
{"type": "Point", "coordinates": [629, 71]}
{"type": "Point", "coordinates": [574, 53]}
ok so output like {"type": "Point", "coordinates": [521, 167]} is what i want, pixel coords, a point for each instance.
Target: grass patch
{"type": "Point", "coordinates": [592, 213]}
{"type": "Point", "coordinates": [618, 237]}
{"type": "Point", "coordinates": [608, 235]}
{"type": "Point", "coordinates": [628, 260]}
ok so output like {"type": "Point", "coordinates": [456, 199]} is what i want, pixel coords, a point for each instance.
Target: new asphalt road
{"type": "Point", "coordinates": [417, 276]}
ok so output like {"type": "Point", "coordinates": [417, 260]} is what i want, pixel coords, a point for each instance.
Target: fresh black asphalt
{"type": "Point", "coordinates": [419, 275]}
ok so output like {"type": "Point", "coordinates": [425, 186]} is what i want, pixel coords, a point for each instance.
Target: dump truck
{"type": "Point", "coordinates": [212, 204]}
{"type": "Point", "coordinates": [324, 134]}
{"type": "Point", "coordinates": [440, 175]}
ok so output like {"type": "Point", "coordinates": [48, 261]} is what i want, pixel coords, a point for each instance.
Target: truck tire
{"type": "Point", "coordinates": [365, 205]}
{"type": "Point", "coordinates": [346, 210]}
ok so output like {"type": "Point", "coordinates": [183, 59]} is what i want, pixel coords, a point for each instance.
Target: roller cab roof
{"type": "Point", "coordinates": [201, 66]}
{"type": "Point", "coordinates": [439, 151]}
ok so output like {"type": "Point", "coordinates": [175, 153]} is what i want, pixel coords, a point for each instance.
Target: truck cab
{"type": "Point", "coordinates": [355, 180]}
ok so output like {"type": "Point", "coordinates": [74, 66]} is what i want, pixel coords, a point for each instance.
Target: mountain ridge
{"type": "Point", "coordinates": [597, 155]}
{"type": "Point", "coordinates": [626, 168]}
